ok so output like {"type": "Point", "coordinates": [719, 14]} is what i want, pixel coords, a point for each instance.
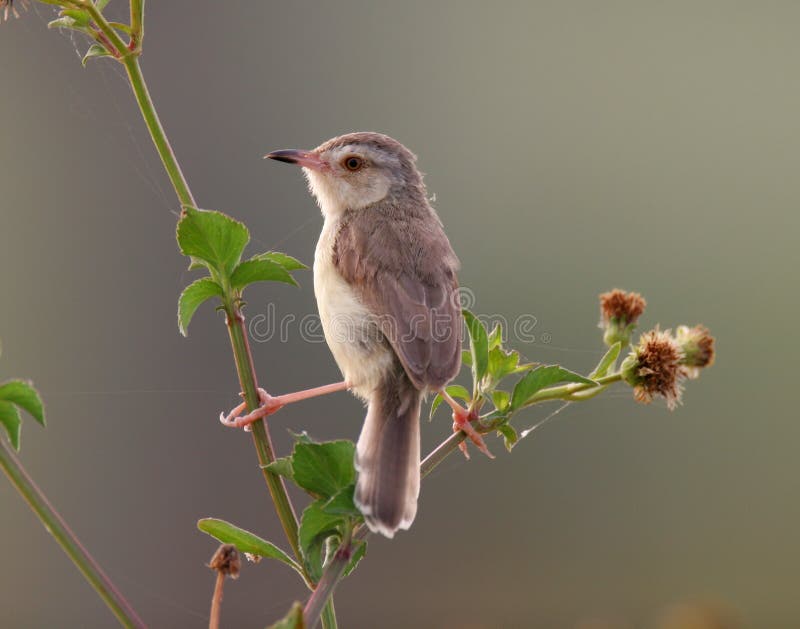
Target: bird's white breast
{"type": "Point", "coordinates": [349, 328]}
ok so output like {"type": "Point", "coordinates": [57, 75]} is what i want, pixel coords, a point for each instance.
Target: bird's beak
{"type": "Point", "coordinates": [306, 159]}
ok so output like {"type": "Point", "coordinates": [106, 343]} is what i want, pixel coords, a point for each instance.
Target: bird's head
{"type": "Point", "coordinates": [358, 170]}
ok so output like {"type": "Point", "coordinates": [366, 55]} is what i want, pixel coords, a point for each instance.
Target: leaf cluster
{"type": "Point", "coordinates": [16, 395]}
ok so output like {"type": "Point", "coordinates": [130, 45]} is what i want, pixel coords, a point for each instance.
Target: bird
{"type": "Point", "coordinates": [386, 285]}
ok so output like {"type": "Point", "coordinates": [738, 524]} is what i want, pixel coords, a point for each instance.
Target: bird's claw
{"type": "Point", "coordinates": [269, 405]}
{"type": "Point", "coordinates": [462, 422]}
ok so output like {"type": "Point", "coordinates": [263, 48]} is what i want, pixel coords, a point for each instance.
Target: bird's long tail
{"type": "Point", "coordinates": [387, 456]}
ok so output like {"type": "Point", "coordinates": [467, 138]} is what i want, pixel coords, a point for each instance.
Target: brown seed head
{"type": "Point", "coordinates": [654, 368]}
{"type": "Point", "coordinates": [226, 561]}
{"type": "Point", "coordinates": [697, 347]}
{"type": "Point", "coordinates": [624, 308]}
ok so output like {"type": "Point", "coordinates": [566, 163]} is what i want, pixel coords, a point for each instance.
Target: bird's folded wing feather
{"type": "Point", "coordinates": [404, 270]}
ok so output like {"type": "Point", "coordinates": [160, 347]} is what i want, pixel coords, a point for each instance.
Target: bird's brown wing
{"type": "Point", "coordinates": [404, 270]}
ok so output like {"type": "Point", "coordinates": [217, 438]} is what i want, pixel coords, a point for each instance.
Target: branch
{"type": "Point", "coordinates": [58, 528]}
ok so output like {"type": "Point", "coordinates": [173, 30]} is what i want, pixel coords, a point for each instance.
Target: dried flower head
{"type": "Point", "coordinates": [7, 7]}
{"type": "Point", "coordinates": [654, 368]}
{"type": "Point", "coordinates": [697, 347]}
{"type": "Point", "coordinates": [226, 561]}
{"type": "Point", "coordinates": [620, 311]}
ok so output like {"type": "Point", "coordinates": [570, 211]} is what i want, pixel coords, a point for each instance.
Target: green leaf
{"type": "Point", "coordinates": [301, 437]}
{"type": "Point", "coordinates": [120, 26]}
{"type": "Point", "coordinates": [287, 262]}
{"type": "Point", "coordinates": [358, 555]}
{"type": "Point", "coordinates": [479, 346]}
{"type": "Point", "coordinates": [503, 363]}
{"type": "Point", "coordinates": [25, 396]}
{"type": "Point", "coordinates": [192, 297]}
{"type": "Point", "coordinates": [213, 238]}
{"type": "Point", "coordinates": [292, 620]}
{"type": "Point", "coordinates": [260, 271]}
{"type": "Point", "coordinates": [81, 18]}
{"type": "Point", "coordinates": [245, 541]}
{"type": "Point", "coordinates": [342, 503]}
{"type": "Point", "coordinates": [282, 467]}
{"type": "Point", "coordinates": [606, 361]}
{"type": "Point", "coordinates": [10, 419]}
{"type": "Point", "coordinates": [496, 337]}
{"type": "Point", "coordinates": [541, 377]}
{"type": "Point", "coordinates": [454, 390]}
{"type": "Point", "coordinates": [323, 469]}
{"type": "Point", "coordinates": [95, 51]}
{"type": "Point", "coordinates": [466, 357]}
{"type": "Point", "coordinates": [315, 527]}
{"type": "Point", "coordinates": [509, 435]}
{"type": "Point", "coordinates": [501, 399]}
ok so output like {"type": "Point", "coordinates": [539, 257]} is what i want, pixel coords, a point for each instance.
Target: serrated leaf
{"type": "Point", "coordinates": [95, 51]}
{"type": "Point", "coordinates": [541, 377]}
{"type": "Point", "coordinates": [479, 346]}
{"type": "Point", "coordinates": [292, 620]}
{"type": "Point", "coordinates": [454, 390]}
{"type": "Point", "coordinates": [258, 270]}
{"type": "Point", "coordinates": [286, 261]}
{"type": "Point", "coordinates": [501, 399]}
{"type": "Point", "coordinates": [606, 361]}
{"type": "Point", "coordinates": [245, 541]}
{"type": "Point", "coordinates": [213, 238]}
{"type": "Point", "coordinates": [11, 421]}
{"type": "Point", "coordinates": [282, 467]}
{"type": "Point", "coordinates": [503, 363]}
{"type": "Point", "coordinates": [192, 297]}
{"type": "Point", "coordinates": [358, 555]}
{"type": "Point", "coordinates": [323, 469]}
{"type": "Point", "coordinates": [315, 527]}
{"type": "Point", "coordinates": [25, 396]}
{"type": "Point", "coordinates": [509, 435]}
{"type": "Point", "coordinates": [342, 503]}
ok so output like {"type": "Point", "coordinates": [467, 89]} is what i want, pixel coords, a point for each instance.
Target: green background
{"type": "Point", "coordinates": [572, 147]}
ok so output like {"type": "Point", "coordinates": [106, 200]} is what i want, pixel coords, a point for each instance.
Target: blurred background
{"type": "Point", "coordinates": [571, 148]}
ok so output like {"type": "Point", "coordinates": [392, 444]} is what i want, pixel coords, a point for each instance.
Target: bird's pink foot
{"type": "Point", "coordinates": [462, 422]}
{"type": "Point", "coordinates": [269, 405]}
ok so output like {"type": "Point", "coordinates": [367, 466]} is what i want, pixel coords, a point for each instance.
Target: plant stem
{"type": "Point", "coordinates": [142, 94]}
{"type": "Point", "coordinates": [321, 601]}
{"type": "Point", "coordinates": [565, 391]}
{"type": "Point", "coordinates": [238, 335]}
{"type": "Point", "coordinates": [58, 528]}
{"type": "Point", "coordinates": [216, 601]}
{"type": "Point", "coordinates": [261, 436]}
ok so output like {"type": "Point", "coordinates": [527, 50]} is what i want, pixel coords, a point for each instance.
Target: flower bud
{"type": "Point", "coordinates": [697, 348]}
{"type": "Point", "coordinates": [620, 311]}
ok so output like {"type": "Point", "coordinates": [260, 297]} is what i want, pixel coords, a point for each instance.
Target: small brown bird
{"type": "Point", "coordinates": [387, 293]}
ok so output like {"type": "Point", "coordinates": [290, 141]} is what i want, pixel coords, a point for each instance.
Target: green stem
{"type": "Point", "coordinates": [137, 24]}
{"type": "Point", "coordinates": [320, 604]}
{"type": "Point", "coordinates": [261, 436]}
{"type": "Point", "coordinates": [565, 391]}
{"type": "Point", "coordinates": [328, 616]}
{"type": "Point", "coordinates": [120, 49]}
{"type": "Point", "coordinates": [238, 335]}
{"type": "Point", "coordinates": [58, 528]}
{"type": "Point", "coordinates": [131, 63]}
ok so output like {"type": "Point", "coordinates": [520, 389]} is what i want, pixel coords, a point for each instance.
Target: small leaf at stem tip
{"type": "Point", "coordinates": [192, 297]}
{"type": "Point", "coordinates": [342, 503]}
{"type": "Point", "coordinates": [259, 270]}
{"type": "Point", "coordinates": [315, 527]}
{"type": "Point", "coordinates": [282, 467]}
{"type": "Point", "coordinates": [324, 469]}
{"type": "Point", "coordinates": [292, 620]}
{"type": "Point", "coordinates": [95, 51]}
{"type": "Point", "coordinates": [454, 390]}
{"type": "Point", "coordinates": [607, 361]}
{"type": "Point", "coordinates": [496, 336]}
{"type": "Point", "coordinates": [25, 396]}
{"type": "Point", "coordinates": [213, 238]}
{"type": "Point", "coordinates": [541, 377]}
{"type": "Point", "coordinates": [286, 261]}
{"type": "Point", "coordinates": [245, 541]}
{"type": "Point", "coordinates": [10, 419]}
{"type": "Point", "coordinates": [358, 554]}
{"type": "Point", "coordinates": [509, 435]}
{"type": "Point", "coordinates": [479, 346]}
{"type": "Point", "coordinates": [503, 363]}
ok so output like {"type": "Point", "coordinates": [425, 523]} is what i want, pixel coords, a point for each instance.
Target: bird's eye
{"type": "Point", "coordinates": [353, 163]}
